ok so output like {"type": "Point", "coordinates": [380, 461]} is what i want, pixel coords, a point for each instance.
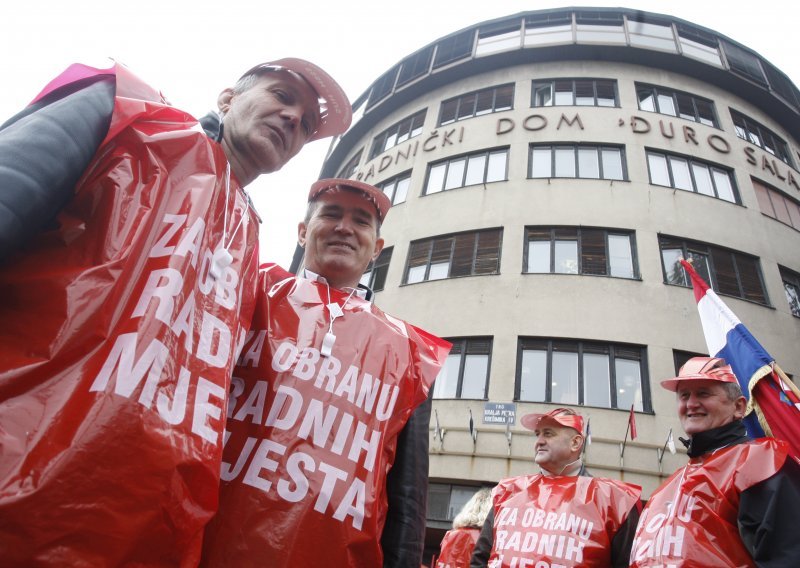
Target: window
{"type": "Point", "coordinates": [471, 169]}
{"type": "Point", "coordinates": [453, 48]}
{"type": "Point", "coordinates": [415, 66]}
{"type": "Point", "coordinates": [398, 133]}
{"type": "Point", "coordinates": [582, 373]}
{"type": "Point", "coordinates": [396, 188]}
{"type": "Point", "coordinates": [791, 285]}
{"type": "Point", "coordinates": [775, 204]}
{"type": "Point", "coordinates": [580, 250]}
{"type": "Point", "coordinates": [450, 256]}
{"type": "Point", "coordinates": [476, 103]}
{"type": "Point", "coordinates": [758, 134]}
{"type": "Point", "coordinates": [351, 166]}
{"type": "Point", "coordinates": [465, 372]}
{"type": "Point", "coordinates": [689, 174]}
{"type": "Point", "coordinates": [383, 86]}
{"type": "Point", "coordinates": [680, 358]}
{"type": "Point", "coordinates": [576, 161]}
{"type": "Point", "coordinates": [375, 276]}
{"type": "Point", "coordinates": [676, 103]}
{"type": "Point", "coordinates": [728, 272]}
{"type": "Point", "coordinates": [574, 92]}
{"type": "Point", "coordinates": [445, 501]}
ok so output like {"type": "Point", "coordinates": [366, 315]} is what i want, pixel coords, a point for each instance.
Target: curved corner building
{"type": "Point", "coordinates": [548, 170]}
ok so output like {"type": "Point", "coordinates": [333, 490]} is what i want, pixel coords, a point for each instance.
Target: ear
{"type": "Point", "coordinates": [577, 442]}
{"type": "Point", "coordinates": [378, 248]}
{"type": "Point", "coordinates": [224, 100]}
{"type": "Point", "coordinates": [739, 407]}
{"type": "Point", "coordinates": [301, 234]}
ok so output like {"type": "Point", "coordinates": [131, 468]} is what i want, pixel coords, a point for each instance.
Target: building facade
{"type": "Point", "coordinates": [547, 172]}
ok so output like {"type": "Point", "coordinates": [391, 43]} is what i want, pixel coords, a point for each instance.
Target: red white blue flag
{"type": "Point", "coordinates": [772, 396]}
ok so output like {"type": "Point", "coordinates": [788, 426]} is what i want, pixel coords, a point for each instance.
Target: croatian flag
{"type": "Point", "coordinates": [770, 393]}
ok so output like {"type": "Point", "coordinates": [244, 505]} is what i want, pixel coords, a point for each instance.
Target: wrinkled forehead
{"type": "Point", "coordinates": [348, 198]}
{"type": "Point", "coordinates": [297, 86]}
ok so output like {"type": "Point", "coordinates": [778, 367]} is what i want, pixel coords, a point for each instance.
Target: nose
{"type": "Point", "coordinates": [344, 225]}
{"type": "Point", "coordinates": [292, 114]}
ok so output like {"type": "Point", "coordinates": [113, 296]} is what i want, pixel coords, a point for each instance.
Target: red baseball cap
{"type": "Point", "coordinates": [374, 195]}
{"type": "Point", "coordinates": [705, 368]}
{"type": "Point", "coordinates": [557, 417]}
{"type": "Point", "coordinates": [335, 111]}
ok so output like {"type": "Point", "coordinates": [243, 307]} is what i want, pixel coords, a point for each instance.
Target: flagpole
{"type": "Point", "coordinates": [622, 448]}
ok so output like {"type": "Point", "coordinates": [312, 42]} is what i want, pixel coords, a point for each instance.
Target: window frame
{"type": "Point", "coordinates": [581, 348]}
{"type": "Point", "coordinates": [395, 129]}
{"type": "Point", "coordinates": [442, 239]}
{"type": "Point", "coordinates": [463, 344]}
{"type": "Point", "coordinates": [349, 168]}
{"type": "Point", "coordinates": [691, 161]}
{"type": "Point", "coordinates": [753, 132]}
{"type": "Point", "coordinates": [696, 249]}
{"type": "Point", "coordinates": [791, 278]}
{"type": "Point", "coordinates": [580, 229]}
{"type": "Point", "coordinates": [575, 80]}
{"type": "Point", "coordinates": [374, 270]}
{"type": "Point", "coordinates": [657, 91]}
{"type": "Point", "coordinates": [576, 147]}
{"type": "Point", "coordinates": [776, 198]}
{"type": "Point", "coordinates": [447, 162]}
{"type": "Point", "coordinates": [474, 97]}
{"type": "Point", "coordinates": [394, 180]}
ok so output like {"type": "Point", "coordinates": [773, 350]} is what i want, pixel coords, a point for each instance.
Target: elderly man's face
{"type": "Point", "coordinates": [556, 447]}
{"type": "Point", "coordinates": [703, 404]}
{"type": "Point", "coordinates": [266, 125]}
{"type": "Point", "coordinates": [341, 237]}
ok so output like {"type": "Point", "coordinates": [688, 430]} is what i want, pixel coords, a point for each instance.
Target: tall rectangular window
{"type": "Point", "coordinates": [777, 205]}
{"type": "Point", "coordinates": [585, 373]}
{"type": "Point", "coordinates": [470, 169]}
{"type": "Point", "coordinates": [676, 103]}
{"type": "Point", "coordinates": [574, 92]}
{"type": "Point", "coordinates": [375, 275]}
{"type": "Point", "coordinates": [576, 161]}
{"type": "Point", "coordinates": [728, 272]}
{"type": "Point", "coordinates": [454, 255]}
{"type": "Point", "coordinates": [758, 134]}
{"type": "Point", "coordinates": [791, 286]}
{"type": "Point", "coordinates": [688, 174]}
{"type": "Point", "coordinates": [349, 169]}
{"type": "Point", "coordinates": [398, 133]}
{"type": "Point", "coordinates": [465, 373]}
{"type": "Point", "coordinates": [396, 188]}
{"type": "Point", "coordinates": [580, 250]}
{"type": "Point", "coordinates": [476, 103]}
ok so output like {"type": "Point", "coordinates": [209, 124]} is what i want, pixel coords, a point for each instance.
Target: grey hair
{"type": "Point", "coordinates": [247, 82]}
{"type": "Point", "coordinates": [732, 390]}
{"type": "Point", "coordinates": [474, 512]}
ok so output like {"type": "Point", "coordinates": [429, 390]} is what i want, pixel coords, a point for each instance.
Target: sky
{"type": "Point", "coordinates": [192, 49]}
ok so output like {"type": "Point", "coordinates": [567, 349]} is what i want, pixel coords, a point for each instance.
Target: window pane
{"type": "Point", "coordinates": [724, 188]}
{"type": "Point", "coordinates": [543, 95]}
{"type": "Point", "coordinates": [476, 368]}
{"type": "Point", "coordinates": [612, 163]}
{"type": "Point", "coordinates": [620, 256]}
{"type": "Point", "coordinates": [646, 99]}
{"type": "Point", "coordinates": [584, 93]}
{"type": "Point", "coordinates": [750, 279]}
{"type": "Point", "coordinates": [685, 106]}
{"type": "Point", "coordinates": [764, 202]}
{"type": "Point", "coordinates": [596, 380]}
{"type": "Point", "coordinates": [533, 375]}
{"type": "Point", "coordinates": [705, 111]}
{"type": "Point", "coordinates": [659, 174]}
{"type": "Point", "coordinates": [565, 162]}
{"type": "Point", "coordinates": [463, 254]}
{"type": "Point", "coordinates": [566, 254]}
{"type": "Point", "coordinates": [588, 163]}
{"type": "Point", "coordinates": [388, 189]}
{"type": "Point", "coordinates": [475, 169]}
{"type": "Point", "coordinates": [455, 174]}
{"type": "Point", "coordinates": [416, 274]}
{"type": "Point", "coordinates": [606, 95]}
{"type": "Point", "coordinates": [541, 162]}
{"type": "Point", "coordinates": [793, 297]}
{"type": "Point", "coordinates": [672, 266]}
{"type": "Point", "coordinates": [666, 105]}
{"type": "Point", "coordinates": [565, 378]}
{"type": "Point", "coordinates": [629, 384]}
{"type": "Point", "coordinates": [439, 270]}
{"type": "Point", "coordinates": [539, 256]}
{"type": "Point", "coordinates": [497, 166]}
{"type": "Point", "coordinates": [702, 178]}
{"type": "Point", "coordinates": [484, 104]}
{"type": "Point", "coordinates": [593, 252]}
{"type": "Point", "coordinates": [504, 98]}
{"type": "Point", "coordinates": [680, 173]}
{"type": "Point", "coordinates": [725, 272]}
{"type": "Point", "coordinates": [467, 106]}
{"type": "Point", "coordinates": [563, 92]}
{"type": "Point", "coordinates": [365, 278]}
{"type": "Point", "coordinates": [446, 383]}
{"type": "Point", "coordinates": [487, 255]}
{"type": "Point", "coordinates": [435, 179]}
{"type": "Point", "coordinates": [449, 111]}
{"type": "Point", "coordinates": [401, 191]}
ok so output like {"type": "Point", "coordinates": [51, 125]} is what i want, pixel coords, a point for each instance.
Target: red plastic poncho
{"type": "Point", "coordinates": [456, 548]}
{"type": "Point", "coordinates": [116, 348]}
{"type": "Point", "coordinates": [558, 521]}
{"type": "Point", "coordinates": [702, 529]}
{"type": "Point", "coordinates": [311, 437]}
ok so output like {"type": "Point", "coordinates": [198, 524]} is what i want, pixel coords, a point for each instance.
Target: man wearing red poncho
{"type": "Point", "coordinates": [326, 450]}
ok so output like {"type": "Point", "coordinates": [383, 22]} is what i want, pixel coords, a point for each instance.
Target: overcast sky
{"type": "Point", "coordinates": [192, 49]}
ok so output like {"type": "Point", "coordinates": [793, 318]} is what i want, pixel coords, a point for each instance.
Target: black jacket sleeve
{"type": "Point", "coordinates": [767, 518]}
{"type": "Point", "coordinates": [403, 538]}
{"type": "Point", "coordinates": [44, 151]}
{"type": "Point", "coordinates": [483, 548]}
{"type": "Point", "coordinates": [622, 542]}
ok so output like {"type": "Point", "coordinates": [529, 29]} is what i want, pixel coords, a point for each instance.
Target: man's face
{"type": "Point", "coordinates": [341, 237]}
{"type": "Point", "coordinates": [556, 447]}
{"type": "Point", "coordinates": [268, 124]}
{"type": "Point", "coordinates": [703, 404]}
